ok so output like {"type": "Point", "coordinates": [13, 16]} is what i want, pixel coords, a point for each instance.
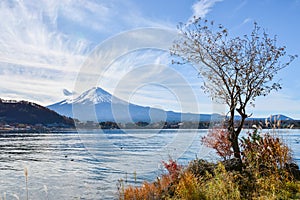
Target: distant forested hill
{"type": "Point", "coordinates": [30, 113]}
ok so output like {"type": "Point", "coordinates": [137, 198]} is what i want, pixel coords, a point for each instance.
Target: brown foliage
{"type": "Point", "coordinates": [218, 140]}
{"type": "Point", "coordinates": [266, 151]}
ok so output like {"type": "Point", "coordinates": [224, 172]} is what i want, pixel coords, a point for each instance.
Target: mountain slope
{"type": "Point", "coordinates": [98, 104]}
{"type": "Point", "coordinates": [30, 113]}
{"type": "Point", "coordinates": [278, 117]}
{"type": "Point", "coordinates": [110, 108]}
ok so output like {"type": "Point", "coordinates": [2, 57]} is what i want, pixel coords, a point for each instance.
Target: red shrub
{"type": "Point", "coordinates": [173, 168]}
{"type": "Point", "coordinates": [218, 140]}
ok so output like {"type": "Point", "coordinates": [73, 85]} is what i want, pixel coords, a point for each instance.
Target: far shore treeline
{"type": "Point", "coordinates": [250, 123]}
{"type": "Point", "coordinates": [23, 116]}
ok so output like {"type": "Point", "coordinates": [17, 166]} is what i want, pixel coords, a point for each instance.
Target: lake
{"type": "Point", "coordinates": [90, 164]}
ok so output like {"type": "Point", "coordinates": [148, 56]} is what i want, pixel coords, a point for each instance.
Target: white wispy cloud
{"type": "Point", "coordinates": [44, 43]}
{"type": "Point", "coordinates": [247, 20]}
{"type": "Point", "coordinates": [240, 6]}
{"type": "Point", "coordinates": [202, 8]}
{"type": "Point", "coordinates": [35, 56]}
{"type": "Point", "coordinates": [28, 40]}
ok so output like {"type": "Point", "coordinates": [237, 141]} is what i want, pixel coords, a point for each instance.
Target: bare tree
{"type": "Point", "coordinates": [235, 70]}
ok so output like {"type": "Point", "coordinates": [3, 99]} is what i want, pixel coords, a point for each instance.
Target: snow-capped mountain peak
{"type": "Point", "coordinates": [94, 95]}
{"type": "Point", "coordinates": [108, 107]}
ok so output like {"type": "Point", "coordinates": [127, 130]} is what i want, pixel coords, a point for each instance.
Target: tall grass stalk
{"type": "Point", "coordinates": [46, 191]}
{"type": "Point", "coordinates": [26, 181]}
{"type": "Point", "coordinates": [4, 196]}
{"type": "Point", "coordinates": [16, 196]}
{"type": "Point", "coordinates": [134, 176]}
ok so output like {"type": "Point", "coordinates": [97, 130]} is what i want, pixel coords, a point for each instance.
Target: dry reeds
{"type": "Point", "coordinates": [26, 182]}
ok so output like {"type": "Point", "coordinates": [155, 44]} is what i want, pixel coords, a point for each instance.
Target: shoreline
{"type": "Point", "coordinates": [70, 130]}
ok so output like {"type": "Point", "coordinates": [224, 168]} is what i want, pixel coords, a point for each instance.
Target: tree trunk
{"type": "Point", "coordinates": [234, 135]}
{"type": "Point", "coordinates": [235, 145]}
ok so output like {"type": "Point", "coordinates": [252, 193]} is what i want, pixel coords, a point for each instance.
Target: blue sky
{"type": "Point", "coordinates": [43, 45]}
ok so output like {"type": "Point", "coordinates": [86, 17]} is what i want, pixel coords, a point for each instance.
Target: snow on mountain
{"type": "Point", "coordinates": [98, 103]}
{"type": "Point", "coordinates": [110, 108]}
{"type": "Point", "coordinates": [95, 95]}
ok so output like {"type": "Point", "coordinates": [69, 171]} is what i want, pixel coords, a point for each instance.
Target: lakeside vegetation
{"type": "Point", "coordinates": [267, 171]}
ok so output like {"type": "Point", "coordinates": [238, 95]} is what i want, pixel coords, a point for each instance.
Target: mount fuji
{"type": "Point", "coordinates": [97, 103]}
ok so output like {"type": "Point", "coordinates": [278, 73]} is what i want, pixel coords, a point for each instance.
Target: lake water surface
{"type": "Point", "coordinates": [90, 164]}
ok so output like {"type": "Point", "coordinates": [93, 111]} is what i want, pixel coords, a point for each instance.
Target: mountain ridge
{"type": "Point", "coordinates": [25, 112]}
{"type": "Point", "coordinates": [111, 108]}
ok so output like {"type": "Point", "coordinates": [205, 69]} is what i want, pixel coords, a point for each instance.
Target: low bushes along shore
{"type": "Point", "coordinates": [266, 171]}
